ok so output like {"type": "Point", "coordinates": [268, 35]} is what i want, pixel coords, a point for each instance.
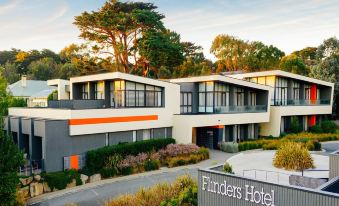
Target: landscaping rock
{"type": "Point", "coordinates": [36, 189]}
{"type": "Point", "coordinates": [24, 192]}
{"type": "Point", "coordinates": [83, 178]}
{"type": "Point", "coordinates": [94, 178]}
{"type": "Point", "coordinates": [37, 178]}
{"type": "Point", "coordinates": [26, 181]}
{"type": "Point", "coordinates": [72, 184]}
{"type": "Point", "coordinates": [46, 187]}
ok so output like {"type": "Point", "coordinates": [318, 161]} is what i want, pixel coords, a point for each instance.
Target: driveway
{"type": "Point", "coordinates": [96, 194]}
{"type": "Point", "coordinates": [330, 147]}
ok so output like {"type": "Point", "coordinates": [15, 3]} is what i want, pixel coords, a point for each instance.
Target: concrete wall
{"type": "Point", "coordinates": [276, 112]}
{"type": "Point", "coordinates": [184, 124]}
{"type": "Point", "coordinates": [59, 144]}
{"type": "Point", "coordinates": [334, 165]}
{"type": "Point", "coordinates": [268, 194]}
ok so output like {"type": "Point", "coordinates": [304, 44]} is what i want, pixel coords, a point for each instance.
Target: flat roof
{"type": "Point", "coordinates": [221, 78]}
{"type": "Point", "coordinates": [283, 74]}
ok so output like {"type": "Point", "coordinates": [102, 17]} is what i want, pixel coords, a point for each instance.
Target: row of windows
{"type": "Point", "coordinates": [127, 94]}
{"type": "Point", "coordinates": [214, 95]}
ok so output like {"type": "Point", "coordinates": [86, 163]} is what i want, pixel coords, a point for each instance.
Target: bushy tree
{"type": "Point", "coordinates": [11, 158]}
{"type": "Point", "coordinates": [10, 72]}
{"type": "Point", "coordinates": [293, 63]}
{"type": "Point", "coordinates": [327, 68]}
{"type": "Point", "coordinates": [237, 54]}
{"type": "Point", "coordinates": [117, 26]}
{"type": "Point", "coordinates": [293, 156]}
{"type": "Point", "coordinates": [43, 69]}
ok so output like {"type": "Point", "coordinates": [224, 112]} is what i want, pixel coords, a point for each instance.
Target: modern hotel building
{"type": "Point", "coordinates": [104, 109]}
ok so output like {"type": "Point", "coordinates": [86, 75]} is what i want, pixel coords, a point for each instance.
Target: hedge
{"type": "Point", "coordinates": [59, 180]}
{"type": "Point", "coordinates": [95, 159]}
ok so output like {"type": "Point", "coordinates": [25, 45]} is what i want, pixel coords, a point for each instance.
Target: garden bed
{"type": "Point", "coordinates": [310, 140]}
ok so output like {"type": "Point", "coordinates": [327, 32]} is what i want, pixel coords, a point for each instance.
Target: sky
{"type": "Point", "coordinates": [287, 24]}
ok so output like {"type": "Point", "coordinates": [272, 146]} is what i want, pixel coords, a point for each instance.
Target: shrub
{"type": "Point", "coordinates": [328, 126]}
{"type": "Point", "coordinates": [95, 159]}
{"type": "Point", "coordinates": [173, 150]}
{"type": "Point", "coordinates": [227, 168]}
{"type": "Point", "coordinates": [151, 165]}
{"type": "Point", "coordinates": [229, 147]}
{"type": "Point", "coordinates": [293, 156]}
{"type": "Point", "coordinates": [108, 172]}
{"type": "Point", "coordinates": [184, 160]}
{"type": "Point", "coordinates": [316, 129]}
{"type": "Point", "coordinates": [127, 170]}
{"type": "Point", "coordinates": [59, 180]}
{"type": "Point", "coordinates": [204, 152]}
{"type": "Point", "coordinates": [248, 145]}
{"type": "Point", "coordinates": [313, 145]}
{"type": "Point", "coordinates": [273, 145]}
{"type": "Point", "coordinates": [164, 192]}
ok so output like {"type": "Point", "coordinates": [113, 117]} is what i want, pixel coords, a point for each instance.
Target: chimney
{"type": "Point", "coordinates": [23, 80]}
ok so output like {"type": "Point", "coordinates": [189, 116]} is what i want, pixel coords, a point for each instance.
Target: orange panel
{"type": "Point", "coordinates": [111, 120]}
{"type": "Point", "coordinates": [313, 93]}
{"type": "Point", "coordinates": [74, 162]}
{"type": "Point", "coordinates": [217, 126]}
{"type": "Point", "coordinates": [313, 120]}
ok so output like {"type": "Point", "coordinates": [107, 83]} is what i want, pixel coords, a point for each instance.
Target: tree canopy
{"type": "Point", "coordinates": [237, 54]}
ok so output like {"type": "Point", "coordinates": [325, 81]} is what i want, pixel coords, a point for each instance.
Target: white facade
{"type": "Point", "coordinates": [169, 115]}
{"type": "Point", "coordinates": [293, 103]}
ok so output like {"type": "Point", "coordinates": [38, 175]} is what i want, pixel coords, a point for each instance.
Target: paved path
{"type": "Point", "coordinates": [330, 146]}
{"type": "Point", "coordinates": [95, 194]}
{"type": "Point", "coordinates": [258, 164]}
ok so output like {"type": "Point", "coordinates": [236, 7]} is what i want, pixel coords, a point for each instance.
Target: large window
{"type": "Point", "coordinates": [221, 95]}
{"type": "Point", "coordinates": [99, 90]}
{"type": "Point", "coordinates": [186, 102]}
{"type": "Point", "coordinates": [296, 90]}
{"type": "Point", "coordinates": [240, 97]}
{"type": "Point", "coordinates": [84, 91]}
{"type": "Point", "coordinates": [280, 94]}
{"type": "Point", "coordinates": [307, 92]}
{"type": "Point", "coordinates": [132, 94]}
{"type": "Point", "coordinates": [206, 96]}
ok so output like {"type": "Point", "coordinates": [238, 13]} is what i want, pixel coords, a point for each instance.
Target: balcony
{"type": "Point", "coordinates": [77, 104]}
{"type": "Point", "coordinates": [300, 102]}
{"type": "Point", "coordinates": [240, 109]}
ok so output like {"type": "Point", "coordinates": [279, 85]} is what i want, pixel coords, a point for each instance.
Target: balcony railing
{"type": "Point", "coordinates": [240, 109]}
{"type": "Point", "coordinates": [300, 102]}
{"type": "Point", "coordinates": [77, 104]}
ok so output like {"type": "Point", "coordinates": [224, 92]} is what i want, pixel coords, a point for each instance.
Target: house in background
{"type": "Point", "coordinates": [35, 92]}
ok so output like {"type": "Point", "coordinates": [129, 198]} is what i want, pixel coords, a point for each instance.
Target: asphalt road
{"type": "Point", "coordinates": [98, 195]}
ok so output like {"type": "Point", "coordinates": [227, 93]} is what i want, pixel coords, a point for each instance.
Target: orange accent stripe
{"type": "Point", "coordinates": [112, 120]}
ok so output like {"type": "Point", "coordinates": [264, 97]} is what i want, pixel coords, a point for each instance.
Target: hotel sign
{"type": "Point", "coordinates": [246, 192]}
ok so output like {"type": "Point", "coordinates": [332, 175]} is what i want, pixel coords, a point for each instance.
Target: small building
{"type": "Point", "coordinates": [35, 92]}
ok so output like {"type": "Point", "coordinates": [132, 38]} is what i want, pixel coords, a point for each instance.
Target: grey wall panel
{"type": "Point", "coordinates": [59, 144]}
{"type": "Point", "coordinates": [26, 126]}
{"type": "Point", "coordinates": [334, 165]}
{"type": "Point", "coordinates": [119, 137]}
{"type": "Point", "coordinates": [282, 195]}
{"type": "Point", "coordinates": [15, 124]}
{"type": "Point", "coordinates": [39, 128]}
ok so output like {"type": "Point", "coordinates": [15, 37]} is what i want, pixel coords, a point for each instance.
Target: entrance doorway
{"type": "Point", "coordinates": [209, 137]}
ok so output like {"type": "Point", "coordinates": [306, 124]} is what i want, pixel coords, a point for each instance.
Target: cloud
{"type": "Point", "coordinates": [12, 4]}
